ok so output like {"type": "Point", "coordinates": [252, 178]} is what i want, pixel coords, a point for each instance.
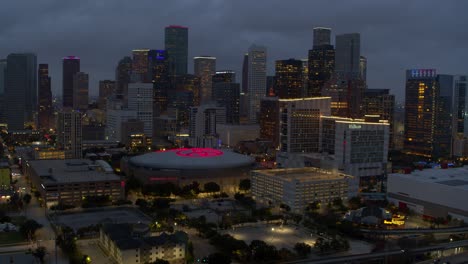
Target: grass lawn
{"type": "Point", "coordinates": [10, 238]}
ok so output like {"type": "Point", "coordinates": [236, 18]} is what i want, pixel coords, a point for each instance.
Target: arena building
{"type": "Point", "coordinates": [431, 192]}
{"type": "Point", "coordinates": [187, 165]}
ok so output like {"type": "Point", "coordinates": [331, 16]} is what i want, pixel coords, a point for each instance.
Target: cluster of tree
{"type": "Point", "coordinates": [164, 189]}
{"type": "Point", "coordinates": [244, 185]}
{"type": "Point", "coordinates": [3, 217]}
{"type": "Point", "coordinates": [122, 202]}
{"type": "Point", "coordinates": [40, 253]}
{"type": "Point", "coordinates": [66, 240]}
{"type": "Point", "coordinates": [28, 229]}
{"type": "Point", "coordinates": [88, 230]}
{"type": "Point", "coordinates": [335, 244]}
{"type": "Point", "coordinates": [96, 201]}
{"type": "Point", "coordinates": [211, 187]}
{"type": "Point", "coordinates": [61, 207]}
{"type": "Point", "coordinates": [246, 201]}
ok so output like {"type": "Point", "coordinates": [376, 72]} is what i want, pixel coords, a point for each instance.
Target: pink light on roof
{"type": "Point", "coordinates": [176, 26]}
{"type": "Point", "coordinates": [196, 152]}
{"type": "Point", "coordinates": [71, 58]}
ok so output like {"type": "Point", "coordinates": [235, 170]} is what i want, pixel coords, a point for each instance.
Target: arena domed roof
{"type": "Point", "coordinates": [192, 158]}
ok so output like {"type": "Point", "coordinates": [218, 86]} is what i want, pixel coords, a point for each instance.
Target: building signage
{"type": "Point", "coordinates": [423, 73]}
{"type": "Point", "coordinates": [354, 126]}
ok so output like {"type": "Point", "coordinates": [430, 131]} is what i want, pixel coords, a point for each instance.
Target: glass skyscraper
{"type": "Point", "coordinates": [21, 89]}
{"type": "Point", "coordinates": [71, 66]}
{"type": "Point", "coordinates": [176, 45]}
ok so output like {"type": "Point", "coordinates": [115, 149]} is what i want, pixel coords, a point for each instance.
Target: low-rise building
{"type": "Point", "coordinates": [298, 187]}
{"type": "Point", "coordinates": [69, 181]}
{"type": "Point", "coordinates": [431, 192]}
{"type": "Point", "coordinates": [128, 244]}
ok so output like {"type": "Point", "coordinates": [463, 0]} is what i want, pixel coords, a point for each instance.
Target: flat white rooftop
{"type": "Point", "coordinates": [453, 177]}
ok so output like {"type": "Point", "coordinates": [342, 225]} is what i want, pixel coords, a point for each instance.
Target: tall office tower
{"type": "Point", "coordinates": [20, 90]}
{"type": "Point", "coordinates": [205, 67]}
{"type": "Point", "coordinates": [140, 66]}
{"type": "Point", "coordinates": [122, 78]}
{"type": "Point", "coordinates": [293, 124]}
{"type": "Point", "coordinates": [69, 133]}
{"type": "Point", "coordinates": [106, 89]}
{"type": "Point", "coordinates": [269, 120]}
{"type": "Point", "coordinates": [363, 68]}
{"type": "Point", "coordinates": [347, 56]}
{"type": "Point", "coordinates": [321, 36]}
{"type": "Point", "coordinates": [140, 99]}
{"type": "Point", "coordinates": [428, 108]}
{"type": "Point", "coordinates": [45, 111]}
{"type": "Point", "coordinates": [305, 76]}
{"type": "Point", "coordinates": [321, 64]}
{"type": "Point", "coordinates": [159, 69]}
{"type": "Point", "coordinates": [188, 83]}
{"type": "Point", "coordinates": [3, 64]}
{"type": "Point", "coordinates": [179, 103]}
{"type": "Point", "coordinates": [357, 147]}
{"type": "Point", "coordinates": [257, 80]}
{"type": "Point", "coordinates": [71, 65]}
{"type": "Point", "coordinates": [226, 93]}
{"type": "Point", "coordinates": [226, 76]}
{"type": "Point", "coordinates": [299, 123]}
{"type": "Point", "coordinates": [176, 45]}
{"type": "Point", "coordinates": [202, 129]}
{"type": "Point", "coordinates": [80, 91]}
{"type": "Point", "coordinates": [381, 103]}
{"type": "Point", "coordinates": [114, 120]}
{"type": "Point", "coordinates": [245, 74]}
{"type": "Point", "coordinates": [346, 96]}
{"type": "Point", "coordinates": [288, 78]}
{"type": "Point", "coordinates": [460, 118]}
{"type": "Point", "coordinates": [271, 88]}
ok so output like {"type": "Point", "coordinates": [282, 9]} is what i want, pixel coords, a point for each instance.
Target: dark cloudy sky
{"type": "Point", "coordinates": [395, 35]}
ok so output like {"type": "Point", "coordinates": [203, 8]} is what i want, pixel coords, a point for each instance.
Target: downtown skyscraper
{"type": "Point", "coordinates": [158, 64]}
{"type": "Point", "coordinates": [348, 55]}
{"type": "Point", "coordinates": [321, 62]}
{"type": "Point", "coordinates": [256, 80]}
{"type": "Point", "coordinates": [176, 45]}
{"type": "Point", "coordinates": [288, 78]}
{"type": "Point", "coordinates": [71, 65]}
{"type": "Point", "coordinates": [45, 110]}
{"type": "Point", "coordinates": [428, 109]}
{"type": "Point", "coordinates": [205, 68]}
{"type": "Point", "coordinates": [21, 90]}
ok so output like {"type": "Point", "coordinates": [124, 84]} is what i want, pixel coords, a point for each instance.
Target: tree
{"type": "Point", "coordinates": [354, 203]}
{"type": "Point", "coordinates": [211, 187]}
{"type": "Point", "coordinates": [40, 253]}
{"type": "Point", "coordinates": [27, 198]}
{"type": "Point", "coordinates": [29, 227]}
{"type": "Point", "coordinates": [244, 185]}
{"type": "Point", "coordinates": [160, 261]}
{"type": "Point", "coordinates": [219, 258]}
{"type": "Point", "coordinates": [302, 249]}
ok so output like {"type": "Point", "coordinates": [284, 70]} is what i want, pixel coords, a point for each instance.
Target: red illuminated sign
{"type": "Point", "coordinates": [198, 152]}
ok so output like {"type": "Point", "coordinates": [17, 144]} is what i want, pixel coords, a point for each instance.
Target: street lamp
{"type": "Point", "coordinates": [272, 229]}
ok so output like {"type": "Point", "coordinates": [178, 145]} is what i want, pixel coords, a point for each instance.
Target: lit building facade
{"type": "Point", "coordinates": [428, 107]}
{"type": "Point", "coordinates": [140, 66]}
{"type": "Point", "coordinates": [45, 111]}
{"type": "Point", "coordinates": [205, 68]}
{"type": "Point", "coordinates": [380, 102]}
{"type": "Point", "coordinates": [140, 100]}
{"type": "Point", "coordinates": [203, 121]}
{"type": "Point", "coordinates": [256, 80]}
{"type": "Point", "coordinates": [288, 78]}
{"type": "Point", "coordinates": [321, 65]}
{"type": "Point", "coordinates": [106, 90]}
{"type": "Point", "coordinates": [298, 187]}
{"type": "Point", "coordinates": [80, 91]}
{"type": "Point", "coordinates": [159, 70]}
{"type": "Point", "coordinates": [69, 133]}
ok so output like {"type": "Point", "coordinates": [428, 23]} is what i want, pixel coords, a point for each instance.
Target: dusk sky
{"type": "Point", "coordinates": [395, 35]}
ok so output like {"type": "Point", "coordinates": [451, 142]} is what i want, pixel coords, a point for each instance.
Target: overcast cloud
{"type": "Point", "coordinates": [395, 35]}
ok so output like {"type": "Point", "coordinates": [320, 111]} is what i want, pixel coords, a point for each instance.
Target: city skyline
{"type": "Point", "coordinates": [92, 31]}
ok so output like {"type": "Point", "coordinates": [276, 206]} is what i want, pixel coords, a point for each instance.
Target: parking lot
{"type": "Point", "coordinates": [115, 215]}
